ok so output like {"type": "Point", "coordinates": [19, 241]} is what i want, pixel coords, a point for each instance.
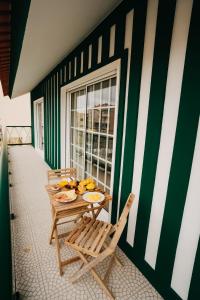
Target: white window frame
{"type": "Point", "coordinates": [112, 69]}
{"type": "Point", "coordinates": [36, 131]}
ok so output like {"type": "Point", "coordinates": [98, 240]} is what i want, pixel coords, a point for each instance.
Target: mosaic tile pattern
{"type": "Point", "coordinates": [35, 261]}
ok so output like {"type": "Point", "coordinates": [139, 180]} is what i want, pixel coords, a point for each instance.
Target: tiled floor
{"type": "Point", "coordinates": [37, 274]}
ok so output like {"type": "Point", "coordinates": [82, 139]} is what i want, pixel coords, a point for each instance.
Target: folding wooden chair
{"type": "Point", "coordinates": [58, 174]}
{"type": "Point", "coordinates": [89, 240]}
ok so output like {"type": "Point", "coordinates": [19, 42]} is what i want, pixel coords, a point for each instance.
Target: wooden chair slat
{"type": "Point", "coordinates": [74, 237]}
{"type": "Point", "coordinates": [90, 241]}
{"type": "Point", "coordinates": [89, 233]}
{"type": "Point", "coordinates": [98, 237]}
{"type": "Point", "coordinates": [84, 231]}
{"type": "Point", "coordinates": [104, 236]}
{"type": "Point", "coordinates": [75, 230]}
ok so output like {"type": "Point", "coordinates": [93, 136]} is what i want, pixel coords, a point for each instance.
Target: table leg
{"type": "Point", "coordinates": [52, 229]}
{"type": "Point", "coordinates": [58, 250]}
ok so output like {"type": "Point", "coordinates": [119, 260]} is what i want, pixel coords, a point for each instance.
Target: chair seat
{"type": "Point", "coordinates": [89, 236]}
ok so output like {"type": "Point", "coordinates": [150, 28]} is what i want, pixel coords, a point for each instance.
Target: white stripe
{"type": "Point", "coordinates": [99, 49]}
{"type": "Point", "coordinates": [143, 112]}
{"type": "Point", "coordinates": [127, 45]}
{"type": "Point", "coordinates": [81, 62]}
{"type": "Point", "coordinates": [112, 40]}
{"type": "Point", "coordinates": [171, 107]}
{"type": "Point", "coordinates": [90, 57]}
{"type": "Point", "coordinates": [190, 230]}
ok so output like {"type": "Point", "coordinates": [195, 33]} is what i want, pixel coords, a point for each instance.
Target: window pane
{"type": "Point", "coordinates": [102, 147]}
{"type": "Point", "coordinates": [113, 91]}
{"type": "Point", "coordinates": [97, 95]}
{"type": "Point", "coordinates": [110, 149]}
{"type": "Point", "coordinates": [108, 174]}
{"type": "Point", "coordinates": [96, 117]}
{"type": "Point", "coordinates": [81, 139]}
{"type": "Point", "coordinates": [101, 186]}
{"type": "Point", "coordinates": [72, 118]}
{"type": "Point", "coordinates": [90, 97]}
{"type": "Point", "coordinates": [89, 119]}
{"type": "Point", "coordinates": [88, 164]}
{"type": "Point", "coordinates": [101, 171]}
{"type": "Point", "coordinates": [73, 101]}
{"type": "Point", "coordinates": [72, 135]}
{"type": "Point", "coordinates": [105, 93]}
{"type": "Point", "coordinates": [95, 144]}
{"type": "Point", "coordinates": [104, 120]}
{"type": "Point", "coordinates": [94, 167]}
{"type": "Point", "coordinates": [88, 142]}
{"type": "Point", "coordinates": [81, 100]}
{"type": "Point", "coordinates": [75, 139]}
{"type": "Point", "coordinates": [111, 121]}
{"type": "Point", "coordinates": [81, 157]}
{"type": "Point", "coordinates": [80, 119]}
{"type": "Point", "coordinates": [76, 154]}
{"type": "Point", "coordinates": [80, 173]}
{"type": "Point", "coordinates": [71, 152]}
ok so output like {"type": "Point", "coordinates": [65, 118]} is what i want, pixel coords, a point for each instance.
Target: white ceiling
{"type": "Point", "coordinates": [53, 29]}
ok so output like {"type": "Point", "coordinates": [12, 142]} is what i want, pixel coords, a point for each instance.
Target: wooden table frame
{"type": "Point", "coordinates": [77, 209]}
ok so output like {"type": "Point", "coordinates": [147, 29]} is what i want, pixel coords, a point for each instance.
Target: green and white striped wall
{"type": "Point", "coordinates": [158, 134]}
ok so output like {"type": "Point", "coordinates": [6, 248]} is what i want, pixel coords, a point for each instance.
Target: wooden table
{"type": "Point", "coordinates": [75, 208]}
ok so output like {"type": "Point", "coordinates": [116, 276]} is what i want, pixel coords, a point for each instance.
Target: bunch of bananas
{"type": "Point", "coordinates": [86, 184]}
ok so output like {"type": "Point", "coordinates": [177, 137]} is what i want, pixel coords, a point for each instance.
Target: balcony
{"type": "Point", "coordinates": [115, 96]}
{"type": "Point", "coordinates": [34, 261]}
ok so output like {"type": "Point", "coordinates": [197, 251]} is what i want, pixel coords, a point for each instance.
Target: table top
{"type": "Point", "coordinates": [76, 204]}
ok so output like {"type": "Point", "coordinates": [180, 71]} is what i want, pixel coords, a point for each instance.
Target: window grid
{"type": "Point", "coordinates": [87, 155]}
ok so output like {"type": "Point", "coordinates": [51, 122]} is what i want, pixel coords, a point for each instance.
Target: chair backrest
{"type": "Point", "coordinates": [61, 173]}
{"type": "Point", "coordinates": [119, 227]}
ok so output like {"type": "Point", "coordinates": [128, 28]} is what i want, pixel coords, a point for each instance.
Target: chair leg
{"type": "Point", "coordinates": [118, 261]}
{"type": "Point", "coordinates": [89, 265]}
{"type": "Point", "coordinates": [109, 268]}
{"type": "Point", "coordinates": [95, 275]}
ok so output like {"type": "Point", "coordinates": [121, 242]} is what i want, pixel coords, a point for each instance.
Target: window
{"type": "Point", "coordinates": [92, 118]}
{"type": "Point", "coordinates": [39, 124]}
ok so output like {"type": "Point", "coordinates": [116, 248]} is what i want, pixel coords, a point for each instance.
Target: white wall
{"type": "Point", "coordinates": [16, 111]}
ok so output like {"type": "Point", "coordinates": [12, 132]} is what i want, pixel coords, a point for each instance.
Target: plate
{"type": "Point", "coordinates": [93, 197]}
{"type": "Point", "coordinates": [53, 188]}
{"type": "Point", "coordinates": [65, 197]}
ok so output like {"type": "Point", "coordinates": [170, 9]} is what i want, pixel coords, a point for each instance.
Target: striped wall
{"type": "Point", "coordinates": [158, 134]}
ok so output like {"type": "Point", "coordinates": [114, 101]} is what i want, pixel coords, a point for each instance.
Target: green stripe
{"type": "Point", "coordinates": [139, 21]}
{"type": "Point", "coordinates": [166, 11]}
{"type": "Point", "coordinates": [45, 124]}
{"type": "Point", "coordinates": [105, 47]}
{"type": "Point", "coordinates": [49, 106]}
{"type": "Point", "coordinates": [186, 131]}
{"type": "Point", "coordinates": [94, 53]}
{"type": "Point", "coordinates": [85, 59]}
{"type": "Point", "coordinates": [120, 35]}
{"type": "Point", "coordinates": [47, 97]}
{"type": "Point", "coordinates": [72, 69]}
{"type": "Point", "coordinates": [5, 230]}
{"type": "Point", "coordinates": [194, 291]}
{"type": "Point", "coordinates": [78, 65]}
{"type": "Point", "coordinates": [54, 119]}
{"type": "Point", "coordinates": [59, 148]}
